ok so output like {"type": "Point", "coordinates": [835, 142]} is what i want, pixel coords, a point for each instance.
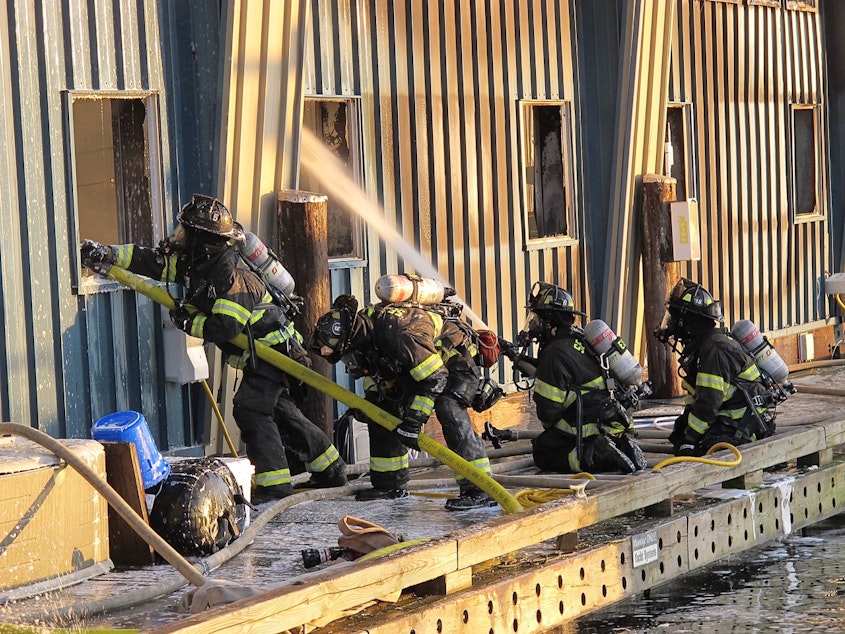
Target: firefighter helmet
{"type": "Point", "coordinates": [546, 299]}
{"type": "Point", "coordinates": [692, 299]}
{"type": "Point", "coordinates": [207, 214]}
{"type": "Point", "coordinates": [333, 330]}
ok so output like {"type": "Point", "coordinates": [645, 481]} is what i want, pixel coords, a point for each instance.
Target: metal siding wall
{"type": "Point", "coordinates": [746, 64]}
{"type": "Point", "coordinates": [440, 84]}
{"type": "Point", "coordinates": [67, 359]}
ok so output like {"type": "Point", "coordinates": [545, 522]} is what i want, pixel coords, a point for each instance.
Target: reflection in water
{"type": "Point", "coordinates": [791, 587]}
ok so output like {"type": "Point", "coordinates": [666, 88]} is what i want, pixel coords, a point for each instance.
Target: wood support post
{"type": "Point", "coordinates": [660, 509]}
{"type": "Point", "coordinates": [567, 543]}
{"type": "Point", "coordinates": [449, 583]}
{"type": "Point", "coordinates": [750, 480]}
{"type": "Point", "coordinates": [659, 275]}
{"type": "Point", "coordinates": [820, 458]}
{"type": "Point", "coordinates": [303, 250]}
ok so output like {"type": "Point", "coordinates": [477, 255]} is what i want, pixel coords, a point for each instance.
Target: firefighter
{"type": "Point", "coordinates": [224, 298]}
{"type": "Point", "coordinates": [726, 398]}
{"type": "Point", "coordinates": [413, 361]}
{"type": "Point", "coordinates": [585, 428]}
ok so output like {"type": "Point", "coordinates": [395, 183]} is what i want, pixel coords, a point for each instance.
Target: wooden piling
{"type": "Point", "coordinates": [303, 249]}
{"type": "Point", "coordinates": [659, 275]}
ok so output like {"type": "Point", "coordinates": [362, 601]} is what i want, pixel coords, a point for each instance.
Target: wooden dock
{"type": "Point", "coordinates": [545, 566]}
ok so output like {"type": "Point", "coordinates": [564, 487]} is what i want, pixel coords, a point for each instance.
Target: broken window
{"type": "Point", "coordinates": [548, 176]}
{"type": "Point", "coordinates": [807, 173]}
{"type": "Point", "coordinates": [678, 155]}
{"type": "Point", "coordinates": [336, 123]}
{"type": "Point", "coordinates": [113, 165]}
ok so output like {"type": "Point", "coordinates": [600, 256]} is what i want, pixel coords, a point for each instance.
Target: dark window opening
{"type": "Point", "coordinates": [112, 170]}
{"type": "Point", "coordinates": [805, 161]}
{"type": "Point", "coordinates": [547, 172]}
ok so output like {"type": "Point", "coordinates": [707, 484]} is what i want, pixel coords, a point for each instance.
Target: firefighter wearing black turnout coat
{"type": "Point", "coordinates": [726, 398]}
{"type": "Point", "coordinates": [224, 298]}
{"type": "Point", "coordinates": [584, 427]}
{"type": "Point", "coordinates": [414, 361]}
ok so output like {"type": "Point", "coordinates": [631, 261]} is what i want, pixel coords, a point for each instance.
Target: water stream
{"type": "Point", "coordinates": [338, 184]}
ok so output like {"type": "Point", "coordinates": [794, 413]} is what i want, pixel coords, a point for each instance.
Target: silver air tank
{"type": "Point", "coordinates": [620, 361]}
{"type": "Point", "coordinates": [765, 356]}
{"type": "Point", "coordinates": [254, 250]}
{"type": "Point", "coordinates": [409, 288]}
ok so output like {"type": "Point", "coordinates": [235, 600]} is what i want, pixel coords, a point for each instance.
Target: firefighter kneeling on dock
{"type": "Point", "coordinates": [224, 298]}
{"type": "Point", "coordinates": [414, 361]}
{"type": "Point", "coordinates": [727, 399]}
{"type": "Point", "coordinates": [585, 427]}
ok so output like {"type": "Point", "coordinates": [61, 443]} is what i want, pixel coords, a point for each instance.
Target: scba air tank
{"type": "Point", "coordinates": [765, 356]}
{"type": "Point", "coordinates": [410, 288]}
{"type": "Point", "coordinates": [620, 361]}
{"type": "Point", "coordinates": [254, 250]}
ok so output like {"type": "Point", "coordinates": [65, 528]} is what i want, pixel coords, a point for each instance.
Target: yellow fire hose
{"type": "Point", "coordinates": [219, 418]}
{"type": "Point", "coordinates": [719, 463]}
{"type": "Point", "coordinates": [447, 457]}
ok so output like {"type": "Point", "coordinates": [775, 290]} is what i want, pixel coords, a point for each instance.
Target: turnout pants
{"type": "Point", "coordinates": [270, 420]}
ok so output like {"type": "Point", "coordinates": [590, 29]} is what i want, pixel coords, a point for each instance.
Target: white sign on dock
{"type": "Point", "coordinates": [645, 548]}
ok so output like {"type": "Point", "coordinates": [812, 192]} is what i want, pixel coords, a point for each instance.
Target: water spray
{"type": "Point", "coordinates": [321, 163]}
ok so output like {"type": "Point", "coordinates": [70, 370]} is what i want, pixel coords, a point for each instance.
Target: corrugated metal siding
{"type": "Point", "coordinates": [440, 84]}
{"type": "Point", "coordinates": [741, 67]}
{"type": "Point", "coordinates": [67, 360]}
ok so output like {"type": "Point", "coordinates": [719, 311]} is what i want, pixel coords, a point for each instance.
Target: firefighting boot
{"type": "Point", "coordinates": [471, 497]}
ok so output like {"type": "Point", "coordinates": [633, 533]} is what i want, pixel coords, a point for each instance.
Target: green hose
{"type": "Point", "coordinates": [447, 457]}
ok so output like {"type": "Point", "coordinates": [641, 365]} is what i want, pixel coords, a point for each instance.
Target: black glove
{"type": "Point", "coordinates": [687, 450]}
{"type": "Point", "coordinates": [94, 254]}
{"type": "Point", "coordinates": [182, 318]}
{"type": "Point", "coordinates": [409, 433]}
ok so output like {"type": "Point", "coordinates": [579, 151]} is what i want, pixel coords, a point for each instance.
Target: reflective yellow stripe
{"type": "Point", "coordinates": [696, 424]}
{"type": "Point", "coordinates": [169, 272]}
{"type": "Point", "coordinates": [587, 429]}
{"type": "Point", "coordinates": [198, 325]}
{"type": "Point", "coordinates": [713, 381]}
{"type": "Point", "coordinates": [437, 319]}
{"type": "Point", "coordinates": [751, 373]}
{"type": "Point", "coordinates": [423, 404]}
{"type": "Point", "coordinates": [323, 461]}
{"type": "Point", "coordinates": [574, 463]}
{"type": "Point", "coordinates": [482, 464]}
{"type": "Point", "coordinates": [124, 255]}
{"type": "Point", "coordinates": [427, 367]}
{"type": "Point", "coordinates": [386, 465]}
{"type": "Point", "coordinates": [279, 336]}
{"type": "Point", "coordinates": [270, 478]}
{"type": "Point", "coordinates": [554, 393]}
{"type": "Point", "coordinates": [232, 309]}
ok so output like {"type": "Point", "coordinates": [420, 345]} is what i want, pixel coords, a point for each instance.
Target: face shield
{"type": "Point", "coordinates": [669, 328]}
{"type": "Point", "coordinates": [176, 241]}
{"type": "Point", "coordinates": [531, 331]}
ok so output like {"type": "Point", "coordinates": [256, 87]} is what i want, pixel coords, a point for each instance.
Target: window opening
{"type": "Point", "coordinates": [548, 171]}
{"type": "Point", "coordinates": [807, 179]}
{"type": "Point", "coordinates": [112, 170]}
{"type": "Point", "coordinates": [677, 151]}
{"type": "Point", "coordinates": [335, 122]}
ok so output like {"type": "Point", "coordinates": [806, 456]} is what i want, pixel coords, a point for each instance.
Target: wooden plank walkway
{"type": "Point", "coordinates": [806, 442]}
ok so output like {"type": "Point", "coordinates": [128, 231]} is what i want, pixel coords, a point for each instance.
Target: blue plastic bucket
{"type": "Point", "coordinates": [132, 427]}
